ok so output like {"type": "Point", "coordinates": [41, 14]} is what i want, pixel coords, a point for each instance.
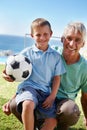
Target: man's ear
{"type": "Point", "coordinates": [62, 39]}
{"type": "Point", "coordinates": [51, 33]}
{"type": "Point", "coordinates": [83, 44]}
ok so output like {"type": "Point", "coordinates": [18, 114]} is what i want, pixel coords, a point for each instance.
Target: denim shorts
{"type": "Point", "coordinates": [38, 97]}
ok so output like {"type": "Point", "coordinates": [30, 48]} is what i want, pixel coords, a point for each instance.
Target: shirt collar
{"type": "Point", "coordinates": [38, 50]}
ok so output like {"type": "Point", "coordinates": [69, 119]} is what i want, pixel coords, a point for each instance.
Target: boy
{"type": "Point", "coordinates": [42, 86]}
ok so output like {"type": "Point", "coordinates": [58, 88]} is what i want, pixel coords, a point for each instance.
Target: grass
{"type": "Point", "coordinates": [7, 90]}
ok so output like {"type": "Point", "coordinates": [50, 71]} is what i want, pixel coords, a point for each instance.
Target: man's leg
{"type": "Point", "coordinates": [67, 114]}
{"type": "Point", "coordinates": [62, 127]}
{"type": "Point", "coordinates": [13, 108]}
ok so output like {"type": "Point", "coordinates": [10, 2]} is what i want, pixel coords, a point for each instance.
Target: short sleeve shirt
{"type": "Point", "coordinates": [46, 65]}
{"type": "Point", "coordinates": [73, 80]}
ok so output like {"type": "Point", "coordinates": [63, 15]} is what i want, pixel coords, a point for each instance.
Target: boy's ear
{"type": "Point", "coordinates": [62, 39]}
{"type": "Point", "coordinates": [31, 35]}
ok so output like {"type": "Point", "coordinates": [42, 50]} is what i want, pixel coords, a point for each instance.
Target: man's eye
{"type": "Point", "coordinates": [78, 40]}
{"type": "Point", "coordinates": [69, 38]}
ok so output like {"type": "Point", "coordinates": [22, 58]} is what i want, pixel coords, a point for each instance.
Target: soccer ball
{"type": "Point", "coordinates": [18, 67]}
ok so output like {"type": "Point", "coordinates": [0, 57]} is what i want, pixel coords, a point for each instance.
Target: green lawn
{"type": "Point", "coordinates": [7, 90]}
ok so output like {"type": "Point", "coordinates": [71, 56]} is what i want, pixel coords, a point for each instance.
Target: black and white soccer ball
{"type": "Point", "coordinates": [18, 67]}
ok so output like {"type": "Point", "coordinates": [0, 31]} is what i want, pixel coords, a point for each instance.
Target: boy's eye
{"type": "Point", "coordinates": [45, 34]}
{"type": "Point", "coordinates": [38, 35]}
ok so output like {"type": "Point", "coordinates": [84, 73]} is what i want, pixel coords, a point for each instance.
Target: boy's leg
{"type": "Point", "coordinates": [13, 108]}
{"type": "Point", "coordinates": [28, 114]}
{"type": "Point", "coordinates": [49, 124]}
{"type": "Point", "coordinates": [48, 115]}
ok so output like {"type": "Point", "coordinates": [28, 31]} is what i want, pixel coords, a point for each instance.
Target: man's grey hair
{"type": "Point", "coordinates": [77, 27]}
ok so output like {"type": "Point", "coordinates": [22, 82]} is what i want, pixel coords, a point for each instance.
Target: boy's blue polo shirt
{"type": "Point", "coordinates": [46, 65]}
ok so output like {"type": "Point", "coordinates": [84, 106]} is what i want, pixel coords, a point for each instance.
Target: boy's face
{"type": "Point", "coordinates": [42, 35]}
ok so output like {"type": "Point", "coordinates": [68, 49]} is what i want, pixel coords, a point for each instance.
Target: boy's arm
{"type": "Point", "coordinates": [7, 77]}
{"type": "Point", "coordinates": [55, 86]}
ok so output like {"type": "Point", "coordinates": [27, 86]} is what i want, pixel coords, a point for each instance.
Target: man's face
{"type": "Point", "coordinates": [72, 43]}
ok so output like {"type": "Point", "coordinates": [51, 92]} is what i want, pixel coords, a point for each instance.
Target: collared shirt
{"type": "Point", "coordinates": [74, 80]}
{"type": "Point", "coordinates": [45, 66]}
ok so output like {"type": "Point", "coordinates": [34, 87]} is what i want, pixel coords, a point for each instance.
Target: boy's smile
{"type": "Point", "coordinates": [42, 36]}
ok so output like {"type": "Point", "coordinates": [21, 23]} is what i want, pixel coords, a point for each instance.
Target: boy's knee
{"type": "Point", "coordinates": [68, 112]}
{"type": "Point", "coordinates": [28, 105]}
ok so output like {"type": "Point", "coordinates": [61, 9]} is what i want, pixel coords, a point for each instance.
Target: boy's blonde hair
{"type": "Point", "coordinates": [40, 22]}
{"type": "Point", "coordinates": [77, 27]}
